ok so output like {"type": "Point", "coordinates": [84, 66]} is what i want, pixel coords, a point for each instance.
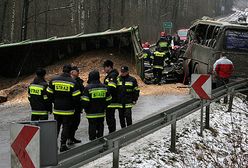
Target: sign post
{"type": "Point", "coordinates": [201, 88]}
{"type": "Point", "coordinates": [167, 25]}
{"type": "Point", "coordinates": [34, 144]}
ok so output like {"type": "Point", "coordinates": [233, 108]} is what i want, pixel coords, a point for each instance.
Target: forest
{"type": "Point", "coordinates": [36, 19]}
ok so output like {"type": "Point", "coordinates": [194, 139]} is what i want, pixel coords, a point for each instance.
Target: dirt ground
{"type": "Point", "coordinates": [153, 97]}
{"type": "Point", "coordinates": [16, 88]}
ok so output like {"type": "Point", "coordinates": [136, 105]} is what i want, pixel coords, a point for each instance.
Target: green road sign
{"type": "Point", "coordinates": [167, 25]}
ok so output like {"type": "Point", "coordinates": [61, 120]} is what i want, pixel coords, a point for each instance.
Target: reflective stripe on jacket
{"type": "Point", "coordinates": [159, 58]}
{"type": "Point", "coordinates": [39, 112]}
{"type": "Point", "coordinates": [163, 44]}
{"type": "Point", "coordinates": [128, 91]}
{"type": "Point", "coordinates": [95, 100]}
{"type": "Point", "coordinates": [65, 94]}
{"type": "Point", "coordinates": [111, 82]}
{"type": "Point", "coordinates": [37, 96]}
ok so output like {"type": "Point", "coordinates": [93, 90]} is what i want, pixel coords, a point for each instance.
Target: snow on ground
{"type": "Point", "coordinates": [152, 99]}
{"type": "Point", "coordinates": [235, 16]}
{"type": "Point", "coordinates": [224, 145]}
{"type": "Point", "coordinates": [19, 110]}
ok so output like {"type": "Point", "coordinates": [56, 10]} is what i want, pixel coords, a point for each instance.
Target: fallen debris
{"type": "Point", "coordinates": [86, 62]}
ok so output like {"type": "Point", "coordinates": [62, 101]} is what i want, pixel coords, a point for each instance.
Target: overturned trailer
{"type": "Point", "coordinates": [22, 58]}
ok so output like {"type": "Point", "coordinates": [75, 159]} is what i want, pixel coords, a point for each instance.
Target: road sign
{"type": "Point", "coordinates": [167, 25]}
{"type": "Point", "coordinates": [201, 85]}
{"type": "Point", "coordinates": [25, 146]}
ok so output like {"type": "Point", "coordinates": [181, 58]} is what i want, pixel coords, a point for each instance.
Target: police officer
{"type": "Point", "coordinates": [111, 82]}
{"type": "Point", "coordinates": [128, 93]}
{"type": "Point", "coordinates": [95, 100]}
{"type": "Point", "coordinates": [78, 110]}
{"type": "Point", "coordinates": [37, 96]}
{"type": "Point", "coordinates": [158, 64]}
{"type": "Point", "coordinates": [65, 94]}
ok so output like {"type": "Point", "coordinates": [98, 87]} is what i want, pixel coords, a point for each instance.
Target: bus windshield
{"type": "Point", "coordinates": [236, 40]}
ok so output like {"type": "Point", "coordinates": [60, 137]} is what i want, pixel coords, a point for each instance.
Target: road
{"type": "Point", "coordinates": [19, 111]}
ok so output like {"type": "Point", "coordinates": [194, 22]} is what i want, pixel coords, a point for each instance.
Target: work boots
{"type": "Point", "coordinates": [73, 141]}
{"type": "Point", "coordinates": [63, 148]}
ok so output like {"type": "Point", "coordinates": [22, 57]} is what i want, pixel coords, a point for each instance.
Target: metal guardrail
{"type": "Point", "coordinates": [86, 153]}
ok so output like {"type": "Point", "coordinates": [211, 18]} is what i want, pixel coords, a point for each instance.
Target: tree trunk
{"type": "Point", "coordinates": [99, 16]}
{"type": "Point", "coordinates": [122, 13]}
{"type": "Point", "coordinates": [3, 20]}
{"type": "Point", "coordinates": [12, 22]}
{"type": "Point", "coordinates": [109, 14]}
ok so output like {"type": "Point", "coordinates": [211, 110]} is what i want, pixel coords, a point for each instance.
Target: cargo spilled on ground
{"type": "Point", "coordinates": [15, 88]}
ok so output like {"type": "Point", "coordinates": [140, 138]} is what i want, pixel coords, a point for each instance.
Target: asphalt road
{"type": "Point", "coordinates": [15, 112]}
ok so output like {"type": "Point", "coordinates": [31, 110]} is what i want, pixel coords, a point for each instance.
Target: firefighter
{"type": "Point", "coordinates": [78, 110]}
{"type": "Point", "coordinates": [95, 100]}
{"type": "Point", "coordinates": [158, 64]}
{"type": "Point", "coordinates": [37, 96]}
{"type": "Point", "coordinates": [147, 52]}
{"type": "Point", "coordinates": [163, 43]}
{"type": "Point", "coordinates": [64, 92]}
{"type": "Point", "coordinates": [128, 93]}
{"type": "Point", "coordinates": [223, 69]}
{"type": "Point", "coordinates": [111, 82]}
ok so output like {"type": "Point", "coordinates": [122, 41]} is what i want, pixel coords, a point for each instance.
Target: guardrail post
{"type": "Point", "coordinates": [173, 137]}
{"type": "Point", "coordinates": [231, 100]}
{"type": "Point", "coordinates": [116, 154]}
{"type": "Point", "coordinates": [207, 125]}
{"type": "Point", "coordinates": [202, 108]}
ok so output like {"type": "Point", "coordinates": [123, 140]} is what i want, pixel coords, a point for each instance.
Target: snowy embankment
{"type": "Point", "coordinates": [236, 15]}
{"type": "Point", "coordinates": [224, 145]}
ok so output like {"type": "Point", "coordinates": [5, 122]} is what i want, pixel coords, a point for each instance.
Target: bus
{"type": "Point", "coordinates": [208, 39]}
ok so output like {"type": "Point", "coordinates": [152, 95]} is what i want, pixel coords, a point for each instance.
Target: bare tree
{"type": "Point", "coordinates": [62, 17]}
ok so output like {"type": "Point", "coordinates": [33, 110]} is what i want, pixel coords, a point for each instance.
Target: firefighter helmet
{"type": "Point", "coordinates": [147, 45]}
{"type": "Point", "coordinates": [162, 34]}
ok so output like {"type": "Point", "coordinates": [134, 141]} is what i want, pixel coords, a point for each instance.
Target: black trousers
{"type": "Point", "coordinates": [221, 82]}
{"type": "Point", "coordinates": [110, 119]}
{"type": "Point", "coordinates": [66, 122]}
{"type": "Point", "coordinates": [157, 73]}
{"type": "Point", "coordinates": [38, 117]}
{"type": "Point", "coordinates": [125, 115]}
{"type": "Point", "coordinates": [76, 118]}
{"type": "Point", "coordinates": [96, 128]}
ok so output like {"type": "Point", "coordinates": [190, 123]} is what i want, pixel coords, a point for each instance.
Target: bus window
{"type": "Point", "coordinates": [236, 40]}
{"type": "Point", "coordinates": [208, 37]}
{"type": "Point", "coordinates": [200, 33]}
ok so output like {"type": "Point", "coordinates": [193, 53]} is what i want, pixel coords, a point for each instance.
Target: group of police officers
{"type": "Point", "coordinates": [66, 97]}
